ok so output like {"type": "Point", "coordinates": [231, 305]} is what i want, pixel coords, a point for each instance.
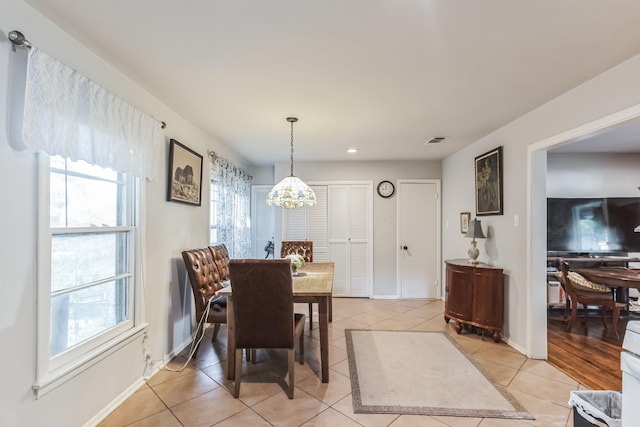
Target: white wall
{"type": "Point", "coordinates": [170, 228]}
{"type": "Point", "coordinates": [593, 175]}
{"type": "Point", "coordinates": [384, 210]}
{"type": "Point", "coordinates": [507, 245]}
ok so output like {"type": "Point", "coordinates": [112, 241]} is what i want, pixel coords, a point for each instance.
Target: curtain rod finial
{"type": "Point", "coordinates": [18, 39]}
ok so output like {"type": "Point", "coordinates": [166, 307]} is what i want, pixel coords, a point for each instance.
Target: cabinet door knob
{"type": "Point", "coordinates": [405, 248]}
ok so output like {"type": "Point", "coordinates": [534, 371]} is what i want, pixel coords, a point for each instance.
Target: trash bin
{"type": "Point", "coordinates": [596, 408]}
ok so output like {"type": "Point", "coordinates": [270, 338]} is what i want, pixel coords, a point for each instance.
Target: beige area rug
{"type": "Point", "coordinates": [424, 373]}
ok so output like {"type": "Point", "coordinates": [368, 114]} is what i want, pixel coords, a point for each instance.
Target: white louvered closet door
{"type": "Point", "coordinates": [309, 224]}
{"type": "Point", "coordinates": [348, 227]}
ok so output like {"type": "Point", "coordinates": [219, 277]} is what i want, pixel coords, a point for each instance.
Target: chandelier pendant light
{"type": "Point", "coordinates": [291, 192]}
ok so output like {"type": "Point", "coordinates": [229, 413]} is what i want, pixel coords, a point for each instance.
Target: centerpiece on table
{"type": "Point", "coordinates": [297, 261]}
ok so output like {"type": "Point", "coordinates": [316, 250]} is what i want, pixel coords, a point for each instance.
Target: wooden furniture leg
{"type": "Point", "coordinates": [323, 305]}
{"type": "Point", "coordinates": [231, 340]}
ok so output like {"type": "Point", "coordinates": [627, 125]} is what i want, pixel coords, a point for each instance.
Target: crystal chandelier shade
{"type": "Point", "coordinates": [291, 192]}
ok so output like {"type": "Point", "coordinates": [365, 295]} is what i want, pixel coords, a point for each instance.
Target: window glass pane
{"type": "Point", "coordinates": [85, 195]}
{"type": "Point", "coordinates": [78, 259]}
{"type": "Point", "coordinates": [91, 203]}
{"type": "Point", "coordinates": [83, 314]}
{"type": "Point", "coordinates": [83, 168]}
{"type": "Point", "coordinates": [57, 162]}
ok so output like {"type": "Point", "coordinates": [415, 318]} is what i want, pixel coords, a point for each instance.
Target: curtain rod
{"type": "Point", "coordinates": [18, 39]}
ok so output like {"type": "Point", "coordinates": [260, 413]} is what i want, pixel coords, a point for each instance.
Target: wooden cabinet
{"type": "Point", "coordinates": [474, 295]}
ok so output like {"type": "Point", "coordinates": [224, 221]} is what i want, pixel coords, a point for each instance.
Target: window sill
{"type": "Point", "coordinates": [54, 379]}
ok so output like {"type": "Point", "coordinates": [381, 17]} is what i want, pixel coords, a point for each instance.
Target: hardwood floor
{"type": "Point", "coordinates": [589, 355]}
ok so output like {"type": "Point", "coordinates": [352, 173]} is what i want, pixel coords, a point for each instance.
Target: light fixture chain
{"type": "Point", "coordinates": [291, 148]}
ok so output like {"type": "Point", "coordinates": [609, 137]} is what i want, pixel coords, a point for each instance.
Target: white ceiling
{"type": "Point", "coordinates": [380, 75]}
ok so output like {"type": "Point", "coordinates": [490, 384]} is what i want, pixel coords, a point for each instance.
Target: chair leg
{"type": "Point", "coordinates": [310, 316]}
{"type": "Point", "coordinates": [603, 310]}
{"type": "Point", "coordinates": [236, 390]}
{"type": "Point", "coordinates": [291, 363]}
{"type": "Point", "coordinates": [572, 318]}
{"type": "Point", "coordinates": [216, 329]}
{"type": "Point", "coordinates": [615, 315]}
{"type": "Point", "coordinates": [199, 331]}
{"type": "Point", "coordinates": [301, 344]}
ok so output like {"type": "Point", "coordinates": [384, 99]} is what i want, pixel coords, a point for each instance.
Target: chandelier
{"type": "Point", "coordinates": [291, 192]}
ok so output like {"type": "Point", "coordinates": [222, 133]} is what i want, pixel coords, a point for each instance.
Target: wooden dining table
{"type": "Point", "coordinates": [615, 277]}
{"type": "Point", "coordinates": [312, 284]}
{"type": "Point", "coordinates": [620, 278]}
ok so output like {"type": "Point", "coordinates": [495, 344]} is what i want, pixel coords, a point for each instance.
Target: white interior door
{"type": "Point", "coordinates": [262, 220]}
{"type": "Point", "coordinates": [349, 219]}
{"type": "Point", "coordinates": [418, 238]}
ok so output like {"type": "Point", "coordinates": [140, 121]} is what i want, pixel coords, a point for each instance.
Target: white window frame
{"type": "Point", "coordinates": [51, 372]}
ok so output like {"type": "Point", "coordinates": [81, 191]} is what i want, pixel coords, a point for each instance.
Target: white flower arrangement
{"type": "Point", "coordinates": [297, 261]}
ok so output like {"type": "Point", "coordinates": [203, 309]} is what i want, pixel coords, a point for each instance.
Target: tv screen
{"type": "Point", "coordinates": [593, 225]}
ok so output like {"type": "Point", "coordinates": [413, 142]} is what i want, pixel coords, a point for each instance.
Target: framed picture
{"type": "Point", "coordinates": [488, 173]}
{"type": "Point", "coordinates": [185, 175]}
{"type": "Point", "coordinates": [465, 217]}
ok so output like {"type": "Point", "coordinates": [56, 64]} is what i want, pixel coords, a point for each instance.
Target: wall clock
{"type": "Point", "coordinates": [386, 189]}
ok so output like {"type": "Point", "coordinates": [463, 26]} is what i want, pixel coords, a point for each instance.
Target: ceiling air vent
{"type": "Point", "coordinates": [435, 140]}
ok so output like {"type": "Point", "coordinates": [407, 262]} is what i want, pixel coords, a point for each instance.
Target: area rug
{"type": "Point", "coordinates": [423, 373]}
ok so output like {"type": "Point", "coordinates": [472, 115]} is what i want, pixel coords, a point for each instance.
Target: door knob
{"type": "Point", "coordinates": [405, 248]}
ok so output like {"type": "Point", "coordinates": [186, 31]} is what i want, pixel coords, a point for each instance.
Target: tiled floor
{"type": "Point", "coordinates": [200, 396]}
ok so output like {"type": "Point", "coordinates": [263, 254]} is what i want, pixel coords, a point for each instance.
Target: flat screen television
{"type": "Point", "coordinates": [593, 225]}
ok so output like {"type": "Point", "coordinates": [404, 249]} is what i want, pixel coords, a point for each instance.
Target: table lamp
{"type": "Point", "coordinates": [475, 232]}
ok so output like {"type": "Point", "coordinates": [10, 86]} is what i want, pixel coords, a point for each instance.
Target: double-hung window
{"type": "Point", "coordinates": [89, 302]}
{"type": "Point", "coordinates": [87, 260]}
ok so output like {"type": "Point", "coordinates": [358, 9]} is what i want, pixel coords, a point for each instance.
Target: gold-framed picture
{"type": "Point", "coordinates": [488, 176]}
{"type": "Point", "coordinates": [465, 218]}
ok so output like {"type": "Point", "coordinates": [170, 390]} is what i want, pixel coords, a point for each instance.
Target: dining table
{"type": "Point", "coordinates": [313, 283]}
{"type": "Point", "coordinates": [620, 278]}
{"type": "Point", "coordinates": [615, 277]}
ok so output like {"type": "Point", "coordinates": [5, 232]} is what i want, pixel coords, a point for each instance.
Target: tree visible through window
{"type": "Point", "coordinates": [92, 257]}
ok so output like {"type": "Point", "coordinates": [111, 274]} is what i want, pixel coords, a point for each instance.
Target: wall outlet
{"type": "Point", "coordinates": [516, 220]}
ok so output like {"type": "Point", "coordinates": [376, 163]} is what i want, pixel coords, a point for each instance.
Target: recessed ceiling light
{"type": "Point", "coordinates": [352, 150]}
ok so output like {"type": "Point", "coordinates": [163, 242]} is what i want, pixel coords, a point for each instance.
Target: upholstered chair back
{"type": "Point", "coordinates": [303, 248]}
{"type": "Point", "coordinates": [262, 303]}
{"type": "Point", "coordinates": [203, 275]}
{"type": "Point", "coordinates": [221, 258]}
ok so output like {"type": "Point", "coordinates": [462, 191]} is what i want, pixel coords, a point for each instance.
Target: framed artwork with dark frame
{"type": "Point", "coordinates": [465, 218]}
{"type": "Point", "coordinates": [488, 177]}
{"type": "Point", "coordinates": [185, 175]}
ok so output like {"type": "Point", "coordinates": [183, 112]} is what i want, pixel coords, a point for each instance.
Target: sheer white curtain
{"type": "Point", "coordinates": [67, 114]}
{"type": "Point", "coordinates": [233, 215]}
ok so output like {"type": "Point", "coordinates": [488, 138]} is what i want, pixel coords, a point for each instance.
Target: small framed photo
{"type": "Point", "coordinates": [465, 217]}
{"type": "Point", "coordinates": [185, 175]}
{"type": "Point", "coordinates": [488, 176]}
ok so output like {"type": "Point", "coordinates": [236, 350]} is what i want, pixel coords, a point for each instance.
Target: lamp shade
{"type": "Point", "coordinates": [291, 193]}
{"type": "Point", "coordinates": [475, 230]}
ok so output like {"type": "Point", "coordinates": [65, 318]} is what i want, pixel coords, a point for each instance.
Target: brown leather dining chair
{"type": "Point", "coordinates": [579, 290]}
{"type": "Point", "coordinates": [205, 281]}
{"type": "Point", "coordinates": [221, 258]}
{"type": "Point", "coordinates": [305, 249]}
{"type": "Point", "coordinates": [262, 291]}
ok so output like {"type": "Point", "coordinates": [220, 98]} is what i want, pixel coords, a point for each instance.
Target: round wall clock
{"type": "Point", "coordinates": [386, 189]}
